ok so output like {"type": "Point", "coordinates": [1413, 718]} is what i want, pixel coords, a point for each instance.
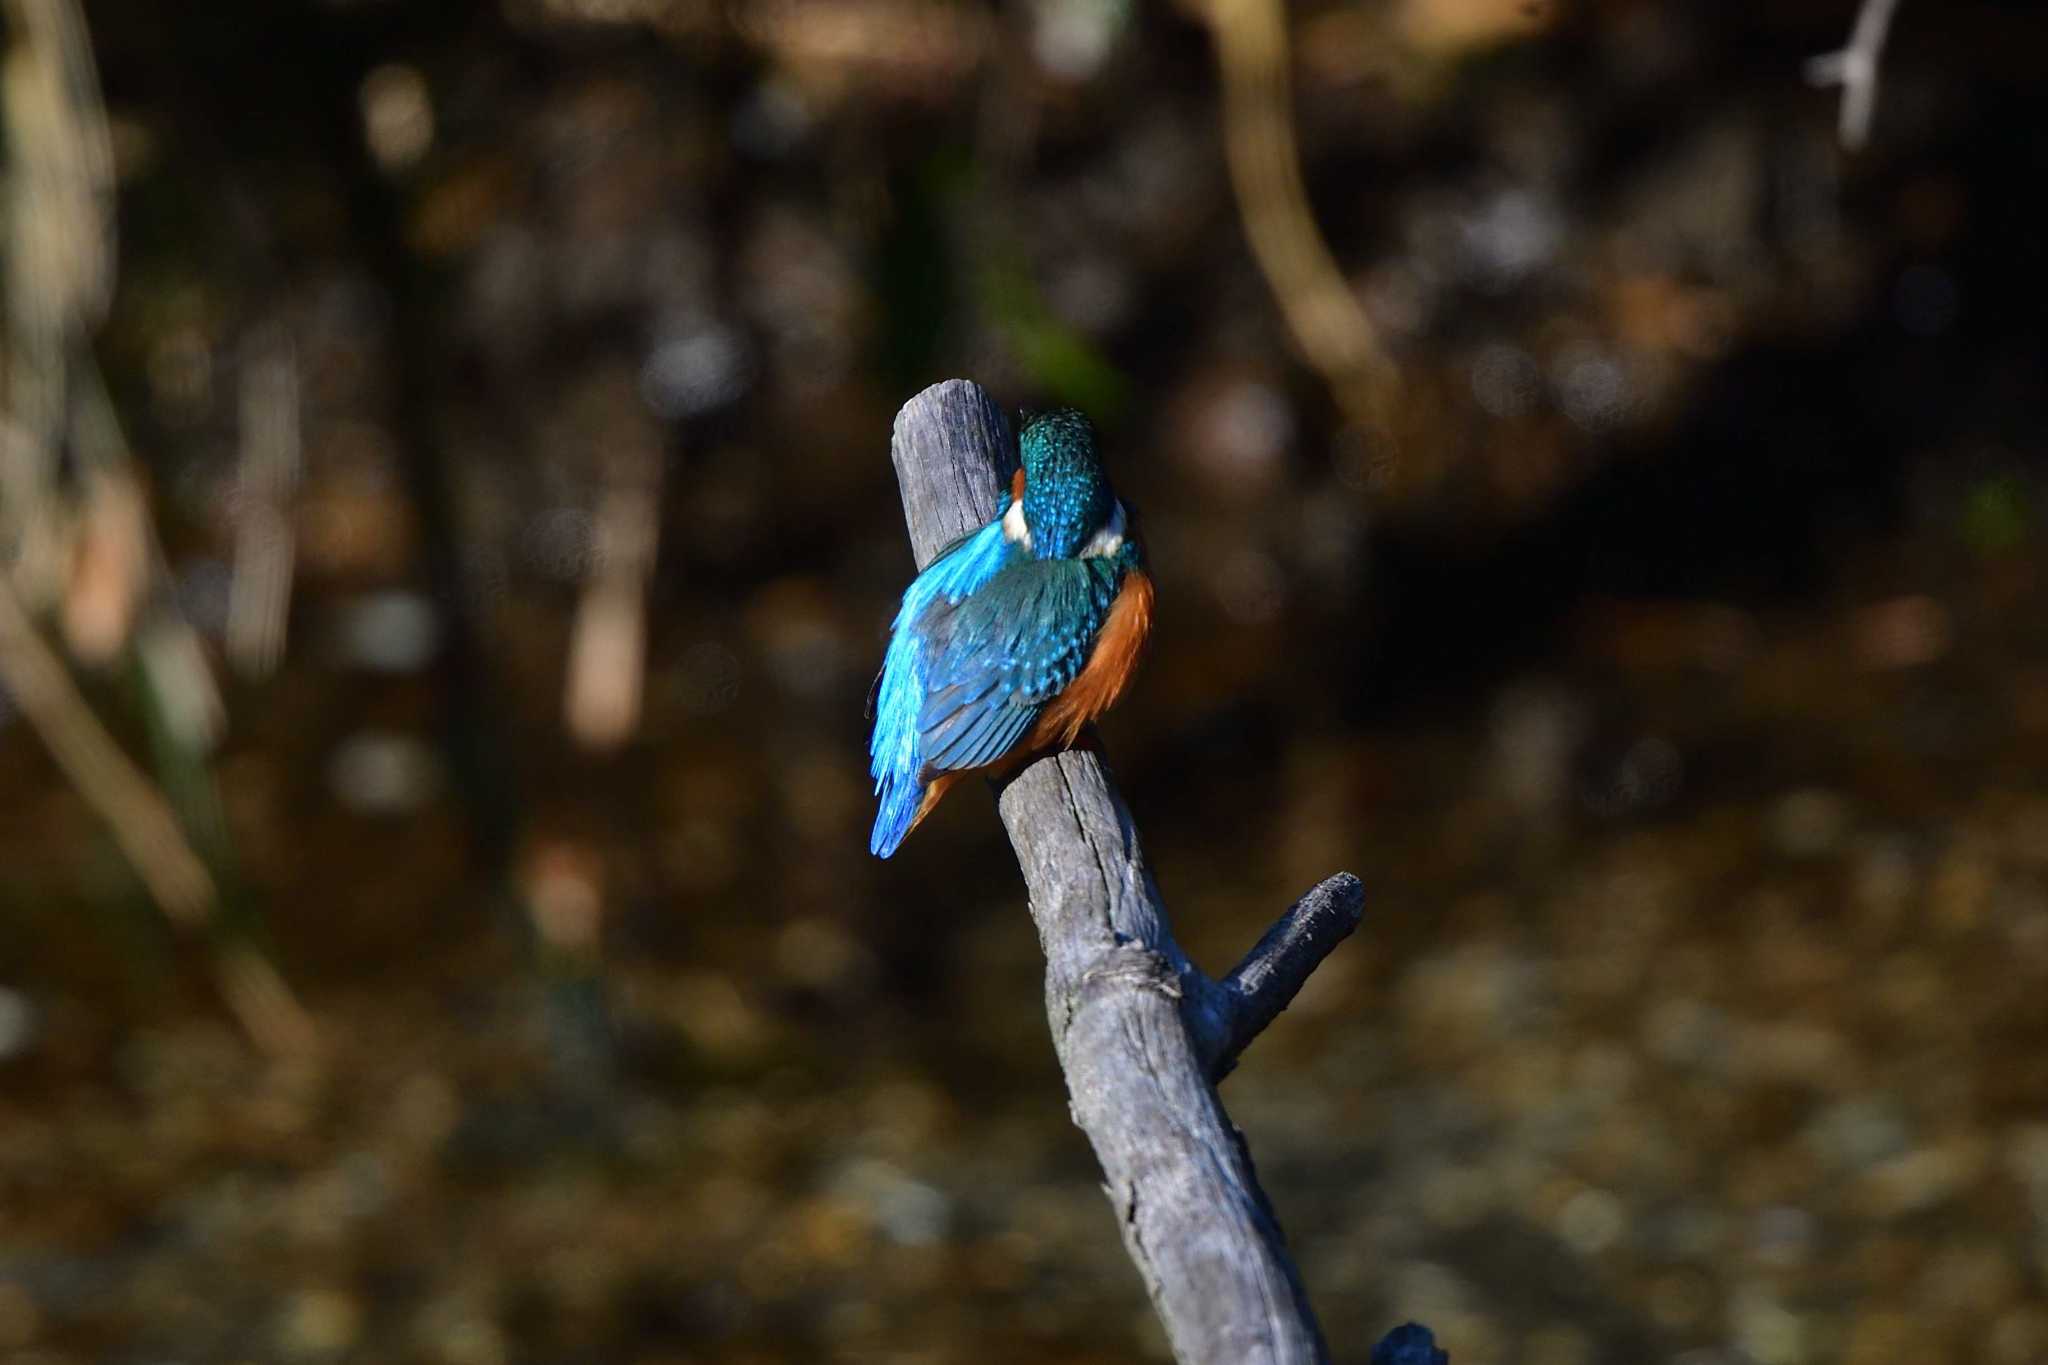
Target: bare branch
{"type": "Point", "coordinates": [1268, 979]}
{"type": "Point", "coordinates": [1129, 1011]}
{"type": "Point", "coordinates": [1855, 68]}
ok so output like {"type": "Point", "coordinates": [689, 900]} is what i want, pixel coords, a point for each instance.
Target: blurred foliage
{"type": "Point", "coordinates": [1998, 516]}
{"type": "Point", "coordinates": [1057, 359]}
{"type": "Point", "coordinates": [1676, 679]}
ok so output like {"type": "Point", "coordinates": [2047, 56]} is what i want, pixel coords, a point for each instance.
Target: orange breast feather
{"type": "Point", "coordinates": [1108, 670]}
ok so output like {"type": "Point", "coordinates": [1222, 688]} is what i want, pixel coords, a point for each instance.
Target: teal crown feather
{"type": "Point", "coordinates": [1066, 496]}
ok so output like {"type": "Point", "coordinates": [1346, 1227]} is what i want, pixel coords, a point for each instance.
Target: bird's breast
{"type": "Point", "coordinates": [1118, 647]}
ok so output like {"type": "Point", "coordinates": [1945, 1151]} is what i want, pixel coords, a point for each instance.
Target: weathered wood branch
{"type": "Point", "coordinates": [1266, 982]}
{"type": "Point", "coordinates": [1141, 1033]}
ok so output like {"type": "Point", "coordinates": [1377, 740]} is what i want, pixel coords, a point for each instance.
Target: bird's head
{"type": "Point", "coordinates": [1068, 509]}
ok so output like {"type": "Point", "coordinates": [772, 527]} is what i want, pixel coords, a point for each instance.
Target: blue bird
{"type": "Point", "coordinates": [1015, 637]}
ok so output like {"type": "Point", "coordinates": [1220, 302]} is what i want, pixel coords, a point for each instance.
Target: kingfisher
{"type": "Point", "coordinates": [1015, 637]}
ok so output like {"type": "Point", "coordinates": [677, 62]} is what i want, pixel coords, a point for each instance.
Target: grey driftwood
{"type": "Point", "coordinates": [1142, 1034]}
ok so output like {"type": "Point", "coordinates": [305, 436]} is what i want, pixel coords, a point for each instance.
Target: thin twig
{"type": "Point", "coordinates": [136, 812]}
{"type": "Point", "coordinates": [1856, 69]}
{"type": "Point", "coordinates": [58, 262]}
{"type": "Point", "coordinates": [142, 823]}
{"type": "Point", "coordinates": [59, 267]}
{"type": "Point", "coordinates": [260, 594]}
{"type": "Point", "coordinates": [1328, 322]}
{"type": "Point", "coordinates": [607, 666]}
{"type": "Point", "coordinates": [1137, 1026]}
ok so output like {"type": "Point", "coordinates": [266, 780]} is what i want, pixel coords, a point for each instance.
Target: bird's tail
{"type": "Point", "coordinates": [901, 796]}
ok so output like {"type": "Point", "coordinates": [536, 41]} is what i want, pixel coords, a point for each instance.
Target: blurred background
{"type": "Point", "coordinates": [448, 532]}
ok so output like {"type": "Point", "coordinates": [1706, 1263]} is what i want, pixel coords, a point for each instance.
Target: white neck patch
{"type": "Point", "coordinates": [1014, 529]}
{"type": "Point", "coordinates": [1101, 545]}
{"type": "Point", "coordinates": [1109, 539]}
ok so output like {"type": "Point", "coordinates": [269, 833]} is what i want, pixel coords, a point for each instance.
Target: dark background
{"type": "Point", "coordinates": [1677, 681]}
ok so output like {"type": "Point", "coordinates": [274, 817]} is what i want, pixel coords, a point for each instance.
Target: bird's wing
{"type": "Point", "coordinates": [897, 697]}
{"type": "Point", "coordinates": [993, 659]}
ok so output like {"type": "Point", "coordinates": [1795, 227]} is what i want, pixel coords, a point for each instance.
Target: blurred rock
{"type": "Point", "coordinates": [1809, 824]}
{"type": "Point", "coordinates": [319, 1324]}
{"type": "Point", "coordinates": [20, 1319]}
{"type": "Point", "coordinates": [906, 1211]}
{"type": "Point", "coordinates": [1536, 732]}
{"type": "Point", "coordinates": [1923, 1178]}
{"type": "Point", "coordinates": [388, 632]}
{"type": "Point", "coordinates": [19, 1023]}
{"type": "Point", "coordinates": [384, 774]}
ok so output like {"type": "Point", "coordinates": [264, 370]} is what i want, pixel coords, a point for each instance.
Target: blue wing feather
{"type": "Point", "coordinates": [893, 747]}
{"type": "Point", "coordinates": [975, 736]}
{"type": "Point", "coordinates": [979, 648]}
